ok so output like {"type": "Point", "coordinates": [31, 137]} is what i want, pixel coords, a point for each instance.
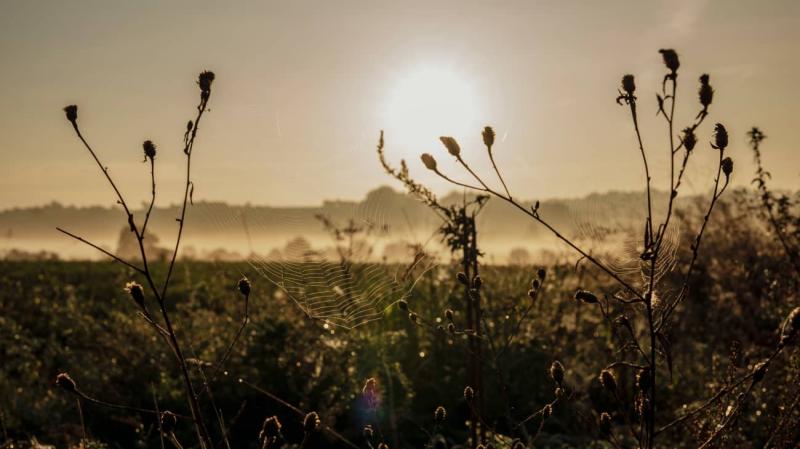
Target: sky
{"type": "Point", "coordinates": [303, 89]}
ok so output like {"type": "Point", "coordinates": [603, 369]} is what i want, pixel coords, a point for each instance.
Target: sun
{"type": "Point", "coordinates": [426, 102]}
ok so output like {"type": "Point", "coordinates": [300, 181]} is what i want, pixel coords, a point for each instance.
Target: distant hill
{"type": "Point", "coordinates": [246, 228]}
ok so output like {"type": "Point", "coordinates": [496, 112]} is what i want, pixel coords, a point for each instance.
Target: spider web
{"type": "Point", "coordinates": [619, 246]}
{"type": "Point", "coordinates": [331, 268]}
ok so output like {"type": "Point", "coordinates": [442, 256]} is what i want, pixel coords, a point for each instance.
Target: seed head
{"type": "Point", "coordinates": [559, 392]}
{"type": "Point", "coordinates": [72, 113]}
{"type": "Point", "coordinates": [311, 423]}
{"type": "Point", "coordinates": [451, 328]}
{"type": "Point", "coordinates": [586, 297]}
{"type": "Point", "coordinates": [535, 284]}
{"type": "Point", "coordinates": [541, 273]}
{"type": "Point", "coordinates": [383, 446]}
{"type": "Point", "coordinates": [402, 305]}
{"type": "Point", "coordinates": [605, 424]}
{"type": "Point", "coordinates": [759, 371]}
{"type": "Point", "coordinates": [136, 292]}
{"type": "Point", "coordinates": [608, 381]}
{"type": "Point", "coordinates": [462, 278]}
{"type": "Point", "coordinates": [488, 136]}
{"type": "Point", "coordinates": [790, 331]}
{"type": "Point", "coordinates": [720, 137]}
{"type": "Point", "coordinates": [727, 166]}
{"type": "Point", "coordinates": [670, 59]}
{"type": "Point", "coordinates": [469, 394]}
{"type": "Point", "coordinates": [440, 414]}
{"type": "Point", "coordinates": [429, 161]}
{"type": "Point", "coordinates": [755, 135]}
{"type": "Point", "coordinates": [477, 282]}
{"type": "Point", "coordinates": [689, 139]}
{"type": "Point", "coordinates": [448, 314]}
{"type": "Point", "coordinates": [643, 379]}
{"type": "Point", "coordinates": [368, 432]}
{"type": "Point", "coordinates": [204, 81]}
{"type": "Point", "coordinates": [270, 429]}
{"type": "Point", "coordinates": [628, 84]}
{"type": "Point", "coordinates": [413, 317]}
{"type": "Point", "coordinates": [557, 372]}
{"type": "Point", "coordinates": [547, 411]}
{"type": "Point", "coordinates": [168, 421]}
{"type": "Point", "coordinates": [451, 145]}
{"type": "Point", "coordinates": [706, 92]}
{"type": "Point", "coordinates": [149, 150]}
{"type": "Point", "coordinates": [66, 383]}
{"type": "Point", "coordinates": [244, 286]}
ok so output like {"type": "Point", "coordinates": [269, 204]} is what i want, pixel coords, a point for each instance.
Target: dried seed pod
{"type": "Point", "coordinates": [628, 84]}
{"type": "Point", "coordinates": [586, 297]}
{"type": "Point", "coordinates": [488, 136]}
{"type": "Point", "coordinates": [469, 394]}
{"type": "Point", "coordinates": [368, 432]}
{"type": "Point", "coordinates": [136, 292]}
{"type": "Point", "coordinates": [402, 305]}
{"type": "Point", "coordinates": [383, 446]}
{"type": "Point", "coordinates": [204, 81]}
{"type": "Point", "coordinates": [477, 282]}
{"type": "Point", "coordinates": [535, 284]}
{"type": "Point", "coordinates": [689, 139]}
{"type": "Point", "coordinates": [643, 380]}
{"type": "Point", "coordinates": [440, 414]}
{"type": "Point", "coordinates": [311, 423]}
{"type": "Point", "coordinates": [169, 421]}
{"type": "Point", "coordinates": [670, 59]}
{"type": "Point", "coordinates": [370, 387]}
{"type": "Point", "coordinates": [608, 381]}
{"type": "Point", "coordinates": [448, 314]}
{"type": "Point", "coordinates": [541, 273]}
{"type": "Point", "coordinates": [706, 92]}
{"type": "Point", "coordinates": [71, 112]}
{"type": "Point", "coordinates": [451, 145]}
{"type": "Point", "coordinates": [429, 161]}
{"type": "Point", "coordinates": [462, 278]}
{"type": "Point", "coordinates": [413, 317]}
{"type": "Point", "coordinates": [244, 286]}
{"type": "Point", "coordinates": [720, 137]}
{"type": "Point", "coordinates": [727, 166]}
{"type": "Point", "coordinates": [605, 424]}
{"type": "Point", "coordinates": [547, 411]}
{"type": "Point", "coordinates": [557, 372]}
{"type": "Point", "coordinates": [451, 328]}
{"type": "Point", "coordinates": [559, 392]}
{"type": "Point", "coordinates": [66, 383]}
{"type": "Point", "coordinates": [759, 371]}
{"type": "Point", "coordinates": [149, 149]}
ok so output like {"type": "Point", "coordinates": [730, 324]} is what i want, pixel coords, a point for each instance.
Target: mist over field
{"type": "Point", "coordinates": [440, 224]}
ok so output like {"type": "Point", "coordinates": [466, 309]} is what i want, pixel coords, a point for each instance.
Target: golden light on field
{"type": "Point", "coordinates": [426, 102]}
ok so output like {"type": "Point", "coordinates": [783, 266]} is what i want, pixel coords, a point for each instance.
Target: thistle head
{"type": "Point", "coordinates": [204, 81]}
{"type": "Point", "coordinates": [451, 145]}
{"type": "Point", "coordinates": [670, 59]}
{"type": "Point", "coordinates": [168, 421]}
{"type": "Point", "coordinates": [727, 166]}
{"type": "Point", "coordinates": [136, 292]}
{"type": "Point", "coordinates": [628, 84]}
{"type": "Point", "coordinates": [488, 136]}
{"type": "Point", "coordinates": [689, 139]}
{"type": "Point", "coordinates": [429, 161]}
{"type": "Point", "coordinates": [586, 297]}
{"type": "Point", "coordinates": [605, 424]}
{"type": "Point", "coordinates": [71, 112]}
{"type": "Point", "coordinates": [720, 137]}
{"type": "Point", "coordinates": [469, 394]}
{"type": "Point", "coordinates": [608, 381]}
{"type": "Point", "coordinates": [244, 286]}
{"type": "Point", "coordinates": [270, 429]}
{"type": "Point", "coordinates": [149, 150]}
{"type": "Point", "coordinates": [557, 372]}
{"type": "Point", "coordinates": [311, 423]}
{"type": "Point", "coordinates": [706, 92]}
{"type": "Point", "coordinates": [440, 414]}
{"type": "Point", "coordinates": [66, 383]}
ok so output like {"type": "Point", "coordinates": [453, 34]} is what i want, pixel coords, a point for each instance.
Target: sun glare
{"type": "Point", "coordinates": [428, 102]}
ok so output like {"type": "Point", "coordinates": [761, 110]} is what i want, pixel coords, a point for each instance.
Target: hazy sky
{"type": "Point", "coordinates": [303, 89]}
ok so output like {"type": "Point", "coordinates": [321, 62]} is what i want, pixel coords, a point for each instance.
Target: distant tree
{"type": "Point", "coordinates": [519, 256]}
